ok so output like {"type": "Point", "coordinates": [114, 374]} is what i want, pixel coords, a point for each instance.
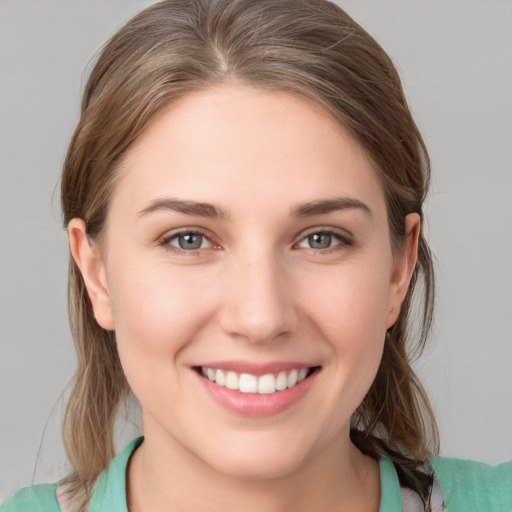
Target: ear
{"type": "Point", "coordinates": [403, 268]}
{"type": "Point", "coordinates": [92, 268]}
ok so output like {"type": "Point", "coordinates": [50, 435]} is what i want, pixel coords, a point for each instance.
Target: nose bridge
{"type": "Point", "coordinates": [257, 304]}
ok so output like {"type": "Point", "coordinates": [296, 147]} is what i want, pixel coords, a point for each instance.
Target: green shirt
{"type": "Point", "coordinates": [468, 487]}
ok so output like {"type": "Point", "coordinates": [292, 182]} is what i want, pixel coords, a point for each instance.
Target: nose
{"type": "Point", "coordinates": [257, 301]}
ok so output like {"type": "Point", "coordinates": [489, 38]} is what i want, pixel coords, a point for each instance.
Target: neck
{"type": "Point", "coordinates": [168, 477]}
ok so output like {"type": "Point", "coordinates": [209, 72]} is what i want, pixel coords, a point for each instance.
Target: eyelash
{"type": "Point", "coordinates": [165, 242]}
{"type": "Point", "coordinates": [343, 241]}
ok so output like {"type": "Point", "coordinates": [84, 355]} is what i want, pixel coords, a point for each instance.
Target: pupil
{"type": "Point", "coordinates": [190, 241]}
{"type": "Point", "coordinates": [320, 240]}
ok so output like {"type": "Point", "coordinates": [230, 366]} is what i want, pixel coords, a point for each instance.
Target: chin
{"type": "Point", "coordinates": [259, 461]}
{"type": "Point", "coordinates": [260, 469]}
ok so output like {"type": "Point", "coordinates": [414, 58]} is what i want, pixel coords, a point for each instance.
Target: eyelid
{"type": "Point", "coordinates": [345, 238]}
{"type": "Point", "coordinates": [165, 239]}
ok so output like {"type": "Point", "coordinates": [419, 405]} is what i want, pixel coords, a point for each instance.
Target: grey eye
{"type": "Point", "coordinates": [320, 240]}
{"type": "Point", "coordinates": [189, 241]}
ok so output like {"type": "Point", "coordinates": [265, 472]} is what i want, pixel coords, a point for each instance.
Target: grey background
{"type": "Point", "coordinates": [456, 62]}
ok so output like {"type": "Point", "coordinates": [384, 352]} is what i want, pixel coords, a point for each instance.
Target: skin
{"type": "Point", "coordinates": [256, 290]}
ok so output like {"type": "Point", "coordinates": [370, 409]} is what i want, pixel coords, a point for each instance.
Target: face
{"type": "Point", "coordinates": [247, 247]}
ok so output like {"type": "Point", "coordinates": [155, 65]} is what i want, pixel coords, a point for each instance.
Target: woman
{"type": "Point", "coordinates": [243, 196]}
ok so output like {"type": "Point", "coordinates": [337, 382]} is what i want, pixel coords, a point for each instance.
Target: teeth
{"type": "Point", "coordinates": [281, 381]}
{"type": "Point", "coordinates": [248, 383]}
{"type": "Point", "coordinates": [232, 380]}
{"type": "Point", "coordinates": [292, 378]}
{"type": "Point", "coordinates": [266, 385]}
{"type": "Point", "coordinates": [220, 378]}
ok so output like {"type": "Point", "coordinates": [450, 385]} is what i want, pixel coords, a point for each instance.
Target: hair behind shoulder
{"type": "Point", "coordinates": [308, 47]}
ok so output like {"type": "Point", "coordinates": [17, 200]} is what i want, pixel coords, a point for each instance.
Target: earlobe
{"type": "Point", "coordinates": [404, 266]}
{"type": "Point", "coordinates": [93, 273]}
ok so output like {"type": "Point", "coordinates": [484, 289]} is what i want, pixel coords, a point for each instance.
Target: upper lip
{"type": "Point", "coordinates": [256, 368]}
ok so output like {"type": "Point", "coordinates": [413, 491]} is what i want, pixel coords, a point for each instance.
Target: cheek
{"type": "Point", "coordinates": [350, 311]}
{"type": "Point", "coordinates": [350, 305]}
{"type": "Point", "coordinates": [156, 313]}
{"type": "Point", "coordinates": [345, 310]}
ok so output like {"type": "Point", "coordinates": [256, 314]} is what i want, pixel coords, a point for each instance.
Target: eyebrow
{"type": "Point", "coordinates": [309, 209]}
{"type": "Point", "coordinates": [187, 207]}
{"type": "Point", "coordinates": [324, 206]}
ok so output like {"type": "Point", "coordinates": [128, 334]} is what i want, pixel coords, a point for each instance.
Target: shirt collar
{"type": "Point", "coordinates": [110, 488]}
{"type": "Point", "coordinates": [390, 500]}
{"type": "Point", "coordinates": [109, 491]}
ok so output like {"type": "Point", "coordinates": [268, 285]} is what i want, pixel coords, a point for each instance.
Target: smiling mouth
{"type": "Point", "coordinates": [267, 384]}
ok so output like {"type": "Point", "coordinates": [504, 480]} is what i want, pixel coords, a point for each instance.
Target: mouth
{"type": "Point", "coordinates": [248, 383]}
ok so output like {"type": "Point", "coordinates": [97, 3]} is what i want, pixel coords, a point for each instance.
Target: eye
{"type": "Point", "coordinates": [187, 241]}
{"type": "Point", "coordinates": [319, 240]}
{"type": "Point", "coordinates": [324, 240]}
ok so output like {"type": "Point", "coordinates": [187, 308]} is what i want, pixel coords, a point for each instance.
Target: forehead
{"type": "Point", "coordinates": [239, 143]}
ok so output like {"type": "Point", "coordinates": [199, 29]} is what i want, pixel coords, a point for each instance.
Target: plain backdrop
{"type": "Point", "coordinates": [455, 59]}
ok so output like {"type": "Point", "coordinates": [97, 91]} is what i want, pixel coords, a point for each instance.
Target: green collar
{"type": "Point", "coordinates": [109, 492]}
{"type": "Point", "coordinates": [390, 500]}
{"type": "Point", "coordinates": [110, 489]}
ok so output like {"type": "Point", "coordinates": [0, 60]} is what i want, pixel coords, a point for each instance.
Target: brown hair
{"type": "Point", "coordinates": [308, 47]}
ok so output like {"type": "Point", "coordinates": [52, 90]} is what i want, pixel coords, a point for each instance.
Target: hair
{"type": "Point", "coordinates": [307, 47]}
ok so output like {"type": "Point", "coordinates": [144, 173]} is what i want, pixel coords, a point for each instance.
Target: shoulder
{"type": "Point", "coordinates": [38, 498]}
{"type": "Point", "coordinates": [109, 493]}
{"type": "Point", "coordinates": [470, 485]}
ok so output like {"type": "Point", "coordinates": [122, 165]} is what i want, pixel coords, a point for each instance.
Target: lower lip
{"type": "Point", "coordinates": [256, 405]}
